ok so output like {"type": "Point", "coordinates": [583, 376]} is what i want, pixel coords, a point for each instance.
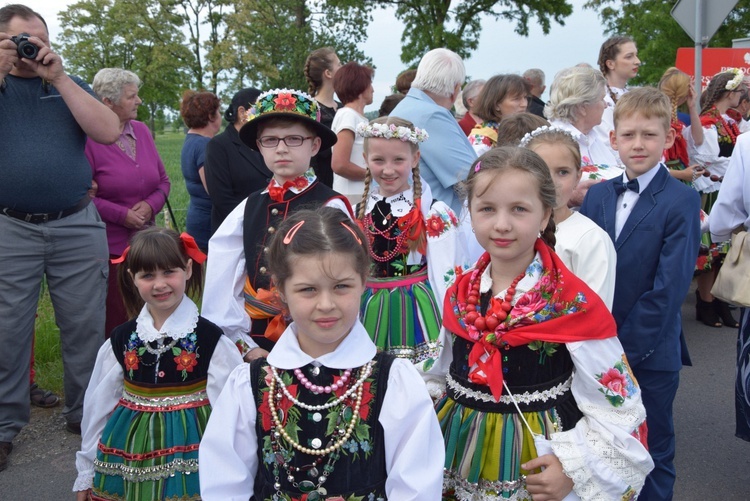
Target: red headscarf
{"type": "Point", "coordinates": [572, 313]}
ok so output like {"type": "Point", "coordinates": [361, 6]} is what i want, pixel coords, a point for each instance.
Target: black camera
{"type": "Point", "coordinates": [25, 48]}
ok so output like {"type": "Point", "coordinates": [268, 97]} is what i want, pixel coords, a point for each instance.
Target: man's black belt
{"type": "Point", "coordinates": [37, 218]}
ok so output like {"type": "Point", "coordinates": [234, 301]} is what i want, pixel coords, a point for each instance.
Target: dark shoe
{"type": "Point", "coordinates": [706, 312]}
{"type": "Point", "coordinates": [43, 398]}
{"type": "Point", "coordinates": [74, 428]}
{"type": "Point", "coordinates": [722, 310]}
{"type": "Point", "coordinates": [5, 450]}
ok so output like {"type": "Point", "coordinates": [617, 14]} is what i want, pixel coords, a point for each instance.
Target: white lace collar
{"type": "Point", "coordinates": [180, 323]}
{"type": "Point", "coordinates": [402, 203]}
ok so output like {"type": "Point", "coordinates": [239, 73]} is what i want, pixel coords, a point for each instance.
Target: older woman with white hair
{"type": "Point", "coordinates": [131, 185]}
{"type": "Point", "coordinates": [447, 155]}
{"type": "Point", "coordinates": [576, 104]}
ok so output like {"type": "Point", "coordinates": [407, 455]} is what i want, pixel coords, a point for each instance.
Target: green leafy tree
{"type": "Point", "coordinates": [457, 25]}
{"type": "Point", "coordinates": [658, 35]}
{"type": "Point", "coordinates": [268, 42]}
{"type": "Point", "coordinates": [111, 34]}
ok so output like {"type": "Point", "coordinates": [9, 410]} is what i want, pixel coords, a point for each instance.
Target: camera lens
{"type": "Point", "coordinates": [28, 50]}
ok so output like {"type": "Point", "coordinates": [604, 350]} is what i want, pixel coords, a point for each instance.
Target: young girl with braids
{"type": "Point", "coordinates": [539, 398]}
{"type": "Point", "coordinates": [720, 135]}
{"type": "Point", "coordinates": [582, 245]}
{"type": "Point", "coordinates": [412, 240]}
{"type": "Point", "coordinates": [155, 379]}
{"type": "Point", "coordinates": [320, 67]}
{"type": "Point", "coordinates": [679, 89]}
{"type": "Point", "coordinates": [326, 416]}
{"type": "Point", "coordinates": [618, 61]}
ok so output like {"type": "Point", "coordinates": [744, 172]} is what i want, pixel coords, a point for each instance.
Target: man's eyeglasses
{"type": "Point", "coordinates": [290, 141]}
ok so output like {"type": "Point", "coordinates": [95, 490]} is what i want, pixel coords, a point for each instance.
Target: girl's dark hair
{"type": "Point", "coordinates": [716, 90]}
{"type": "Point", "coordinates": [198, 108]}
{"type": "Point", "coordinates": [511, 129]}
{"type": "Point", "coordinates": [404, 80]}
{"type": "Point", "coordinates": [389, 103]}
{"type": "Point", "coordinates": [495, 90]}
{"type": "Point", "coordinates": [155, 248]}
{"type": "Point", "coordinates": [609, 51]}
{"type": "Point", "coordinates": [505, 158]}
{"type": "Point", "coordinates": [316, 64]}
{"type": "Point", "coordinates": [314, 232]}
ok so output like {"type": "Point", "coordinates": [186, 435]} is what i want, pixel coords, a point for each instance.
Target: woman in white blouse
{"type": "Point", "coordinates": [353, 86]}
{"type": "Point", "coordinates": [576, 104]}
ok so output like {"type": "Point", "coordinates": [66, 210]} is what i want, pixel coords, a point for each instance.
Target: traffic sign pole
{"type": "Point", "coordinates": [698, 83]}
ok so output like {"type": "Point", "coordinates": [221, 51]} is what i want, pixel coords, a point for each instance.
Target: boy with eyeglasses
{"type": "Point", "coordinates": [238, 295]}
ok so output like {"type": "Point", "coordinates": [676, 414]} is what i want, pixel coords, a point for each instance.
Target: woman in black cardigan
{"type": "Point", "coordinates": [233, 170]}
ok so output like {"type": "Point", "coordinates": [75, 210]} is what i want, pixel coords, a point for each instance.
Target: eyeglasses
{"type": "Point", "coordinates": [290, 141]}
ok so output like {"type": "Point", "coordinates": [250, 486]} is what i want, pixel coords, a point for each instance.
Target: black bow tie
{"type": "Point", "coordinates": [621, 187]}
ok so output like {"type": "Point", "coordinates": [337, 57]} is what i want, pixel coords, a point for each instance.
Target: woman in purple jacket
{"type": "Point", "coordinates": [131, 185]}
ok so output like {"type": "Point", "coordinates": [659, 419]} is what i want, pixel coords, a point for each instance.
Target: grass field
{"type": "Point", "coordinates": [47, 349]}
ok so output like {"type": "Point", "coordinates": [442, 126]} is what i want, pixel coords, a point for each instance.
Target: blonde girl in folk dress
{"type": "Point", "coordinates": [583, 246]}
{"type": "Point", "coordinates": [325, 417]}
{"type": "Point", "coordinates": [539, 397]}
{"type": "Point", "coordinates": [155, 379]}
{"type": "Point", "coordinates": [412, 240]}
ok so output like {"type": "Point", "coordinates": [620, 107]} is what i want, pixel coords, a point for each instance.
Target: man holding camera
{"type": "Point", "coordinates": [48, 228]}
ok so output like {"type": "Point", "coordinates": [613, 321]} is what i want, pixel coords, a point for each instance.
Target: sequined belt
{"type": "Point", "coordinates": [394, 282]}
{"type": "Point", "coordinates": [484, 489]}
{"type": "Point", "coordinates": [163, 403]}
{"type": "Point", "coordinates": [547, 397]}
{"type": "Point", "coordinates": [147, 473]}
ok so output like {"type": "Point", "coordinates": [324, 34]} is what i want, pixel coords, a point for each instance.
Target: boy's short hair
{"type": "Point", "coordinates": [647, 101]}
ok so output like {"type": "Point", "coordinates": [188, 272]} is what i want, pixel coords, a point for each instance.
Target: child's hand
{"type": "Point", "coordinates": [552, 484]}
{"type": "Point", "coordinates": [83, 495]}
{"type": "Point", "coordinates": [255, 353]}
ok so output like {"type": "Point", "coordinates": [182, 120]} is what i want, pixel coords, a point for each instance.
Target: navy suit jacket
{"type": "Point", "coordinates": [656, 253]}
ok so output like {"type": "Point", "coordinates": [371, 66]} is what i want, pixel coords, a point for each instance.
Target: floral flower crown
{"type": "Point", "coordinates": [540, 131]}
{"type": "Point", "coordinates": [285, 101]}
{"type": "Point", "coordinates": [739, 75]}
{"type": "Point", "coordinates": [386, 131]}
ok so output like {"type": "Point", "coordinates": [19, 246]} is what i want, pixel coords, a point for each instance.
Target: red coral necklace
{"type": "Point", "coordinates": [497, 312]}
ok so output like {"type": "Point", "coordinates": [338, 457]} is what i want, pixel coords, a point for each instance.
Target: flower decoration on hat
{"type": "Point", "coordinates": [391, 131]}
{"type": "Point", "coordinates": [735, 82]}
{"type": "Point", "coordinates": [287, 101]}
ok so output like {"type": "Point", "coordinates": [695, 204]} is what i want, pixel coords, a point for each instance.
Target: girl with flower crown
{"type": "Point", "coordinates": [154, 380]}
{"type": "Point", "coordinates": [412, 240]}
{"type": "Point", "coordinates": [538, 399]}
{"type": "Point", "coordinates": [326, 416]}
{"type": "Point", "coordinates": [720, 135]}
{"type": "Point", "coordinates": [583, 246]}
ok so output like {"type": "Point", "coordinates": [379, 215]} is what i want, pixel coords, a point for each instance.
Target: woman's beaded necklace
{"type": "Point", "coordinates": [496, 314]}
{"type": "Point", "coordinates": [332, 449]}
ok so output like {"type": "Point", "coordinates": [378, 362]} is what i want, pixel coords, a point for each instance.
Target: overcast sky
{"type": "Point", "coordinates": [500, 49]}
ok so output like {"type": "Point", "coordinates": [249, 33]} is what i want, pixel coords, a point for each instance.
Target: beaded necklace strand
{"type": "Point", "coordinates": [342, 429]}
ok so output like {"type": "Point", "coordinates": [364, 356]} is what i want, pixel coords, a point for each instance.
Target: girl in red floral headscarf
{"type": "Point", "coordinates": [539, 399]}
{"type": "Point", "coordinates": [412, 240]}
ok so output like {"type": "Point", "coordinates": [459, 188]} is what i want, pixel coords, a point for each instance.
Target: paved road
{"type": "Point", "coordinates": [711, 463]}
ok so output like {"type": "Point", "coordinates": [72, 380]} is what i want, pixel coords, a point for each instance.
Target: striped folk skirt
{"type": "Point", "coordinates": [149, 447]}
{"type": "Point", "coordinates": [401, 315]}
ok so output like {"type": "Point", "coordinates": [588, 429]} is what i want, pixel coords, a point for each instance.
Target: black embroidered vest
{"type": "Point", "coordinates": [359, 471]}
{"type": "Point", "coordinates": [185, 363]}
{"type": "Point", "coordinates": [262, 217]}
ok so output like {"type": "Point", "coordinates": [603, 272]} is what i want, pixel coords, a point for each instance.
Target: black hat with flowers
{"type": "Point", "coordinates": [288, 104]}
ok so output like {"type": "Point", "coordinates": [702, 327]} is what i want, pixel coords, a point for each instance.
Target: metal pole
{"type": "Point", "coordinates": [698, 49]}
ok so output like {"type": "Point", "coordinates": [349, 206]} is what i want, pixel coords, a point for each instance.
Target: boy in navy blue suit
{"type": "Point", "coordinates": [653, 220]}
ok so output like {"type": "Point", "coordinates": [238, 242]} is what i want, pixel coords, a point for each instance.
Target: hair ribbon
{"type": "Point", "coordinates": [121, 259]}
{"type": "Point", "coordinates": [477, 167]}
{"type": "Point", "coordinates": [191, 248]}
